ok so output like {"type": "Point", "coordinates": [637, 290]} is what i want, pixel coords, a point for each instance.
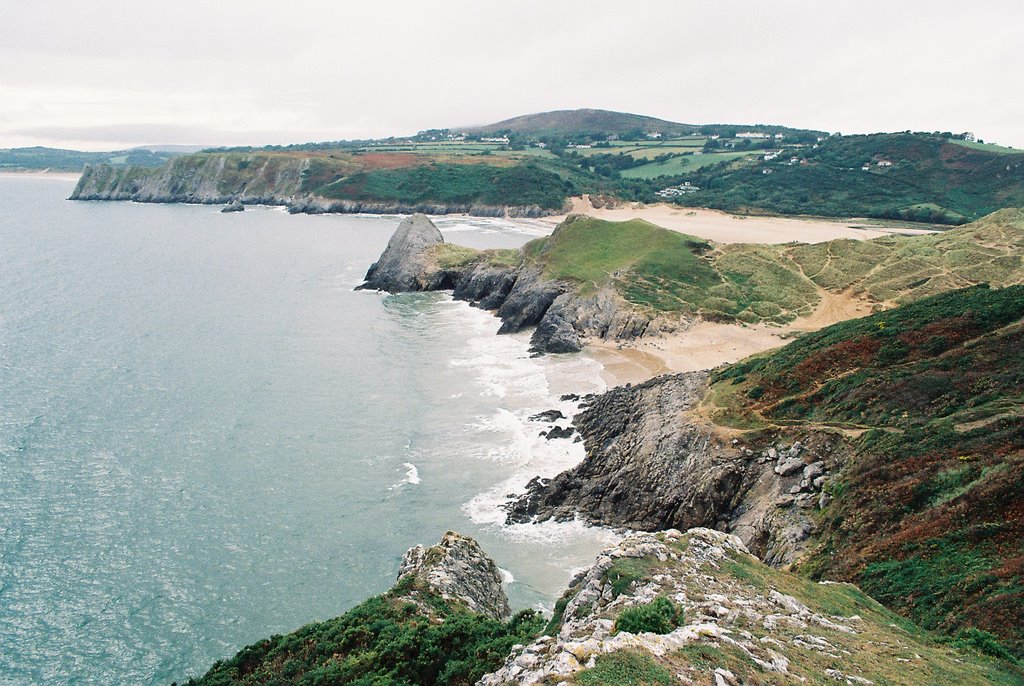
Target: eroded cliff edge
{"type": "Point", "coordinates": [653, 462]}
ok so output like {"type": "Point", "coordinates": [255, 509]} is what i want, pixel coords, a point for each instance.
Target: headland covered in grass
{"type": "Point", "coordinates": [534, 165]}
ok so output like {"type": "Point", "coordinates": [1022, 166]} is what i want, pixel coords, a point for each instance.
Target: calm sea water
{"type": "Point", "coordinates": [207, 437]}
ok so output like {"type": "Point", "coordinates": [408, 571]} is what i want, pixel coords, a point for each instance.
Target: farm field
{"type": "Point", "coordinates": [682, 164]}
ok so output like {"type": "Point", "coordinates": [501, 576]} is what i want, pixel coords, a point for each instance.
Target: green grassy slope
{"type": "Point", "coordinates": [929, 515]}
{"type": "Point", "coordinates": [672, 272]}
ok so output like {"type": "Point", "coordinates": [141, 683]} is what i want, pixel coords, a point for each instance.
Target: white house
{"type": "Point", "coordinates": [751, 134]}
{"type": "Point", "coordinates": [884, 163]}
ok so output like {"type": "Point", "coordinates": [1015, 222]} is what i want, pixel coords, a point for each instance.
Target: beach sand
{"type": "Point", "coordinates": [705, 345]}
{"type": "Point", "coordinates": [723, 227]}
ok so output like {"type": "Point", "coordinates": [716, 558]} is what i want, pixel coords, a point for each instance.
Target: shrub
{"type": "Point", "coordinates": [658, 617]}
{"type": "Point", "coordinates": [625, 668]}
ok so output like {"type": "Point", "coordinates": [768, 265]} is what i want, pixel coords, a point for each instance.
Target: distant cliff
{"type": "Point", "coordinates": [308, 184]}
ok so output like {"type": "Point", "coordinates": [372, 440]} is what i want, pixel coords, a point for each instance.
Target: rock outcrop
{"type": "Point", "coordinates": [234, 206]}
{"type": "Point", "coordinates": [741, 623]}
{"type": "Point", "coordinates": [458, 569]}
{"type": "Point", "coordinates": [522, 296]}
{"type": "Point", "coordinates": [403, 266]}
{"type": "Point", "coordinates": [652, 463]}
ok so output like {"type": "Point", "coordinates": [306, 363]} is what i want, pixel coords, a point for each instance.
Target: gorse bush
{"type": "Point", "coordinates": [658, 617]}
{"type": "Point", "coordinates": [385, 640]}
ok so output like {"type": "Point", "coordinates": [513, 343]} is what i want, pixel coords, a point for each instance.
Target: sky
{"type": "Point", "coordinates": [103, 75]}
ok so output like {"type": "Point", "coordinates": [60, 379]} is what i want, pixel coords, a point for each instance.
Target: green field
{"type": "Point", "coordinates": [987, 147]}
{"type": "Point", "coordinates": [682, 165]}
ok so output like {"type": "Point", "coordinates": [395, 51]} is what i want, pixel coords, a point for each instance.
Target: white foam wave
{"type": "Point", "coordinates": [412, 475]}
{"type": "Point", "coordinates": [506, 576]}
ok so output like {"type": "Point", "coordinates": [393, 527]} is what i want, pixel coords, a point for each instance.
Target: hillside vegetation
{"type": "Point", "coordinates": [583, 121]}
{"type": "Point", "coordinates": [56, 159]}
{"type": "Point", "coordinates": [928, 517]}
{"type": "Point", "coordinates": [668, 271]}
{"type": "Point", "coordinates": [540, 160]}
{"type": "Point", "coordinates": [930, 179]}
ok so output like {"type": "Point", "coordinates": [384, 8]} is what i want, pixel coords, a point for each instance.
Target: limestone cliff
{"type": "Point", "coordinates": [404, 263]}
{"type": "Point", "coordinates": [698, 608]}
{"type": "Point", "coordinates": [520, 294]}
{"type": "Point", "coordinates": [653, 463]}
{"type": "Point", "coordinates": [458, 569]}
{"type": "Point", "coordinates": [211, 178]}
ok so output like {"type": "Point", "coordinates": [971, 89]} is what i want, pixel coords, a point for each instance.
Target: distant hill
{"type": "Point", "coordinates": [920, 177]}
{"type": "Point", "coordinates": [57, 159]}
{"type": "Point", "coordinates": [567, 122]}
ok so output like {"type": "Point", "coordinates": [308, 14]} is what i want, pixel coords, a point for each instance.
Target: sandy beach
{"type": "Point", "coordinates": [723, 227]}
{"type": "Point", "coordinates": [706, 345]}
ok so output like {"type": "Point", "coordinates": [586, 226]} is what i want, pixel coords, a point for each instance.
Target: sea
{"type": "Point", "coordinates": [207, 436]}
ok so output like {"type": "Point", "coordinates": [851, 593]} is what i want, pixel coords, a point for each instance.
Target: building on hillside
{"type": "Point", "coordinates": [752, 135]}
{"type": "Point", "coordinates": [884, 163]}
{"type": "Point", "coordinates": [499, 139]}
{"type": "Point", "coordinates": [654, 134]}
{"type": "Point", "coordinates": [779, 136]}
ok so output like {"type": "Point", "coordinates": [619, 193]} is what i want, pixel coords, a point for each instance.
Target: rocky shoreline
{"type": "Point", "coordinates": [652, 463]}
{"type": "Point", "coordinates": [520, 295]}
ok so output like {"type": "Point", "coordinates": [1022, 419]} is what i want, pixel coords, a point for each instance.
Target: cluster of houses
{"type": "Point", "coordinates": [881, 163]}
{"type": "Point", "coordinates": [755, 135]}
{"type": "Point", "coordinates": [676, 191]}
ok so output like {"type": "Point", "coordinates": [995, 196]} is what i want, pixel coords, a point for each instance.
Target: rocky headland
{"type": "Point", "coordinates": [515, 287]}
{"type": "Point", "coordinates": [220, 179]}
{"type": "Point", "coordinates": [672, 607]}
{"type": "Point", "coordinates": [653, 462]}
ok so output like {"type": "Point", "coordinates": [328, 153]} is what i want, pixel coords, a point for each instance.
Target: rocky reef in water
{"type": "Point", "coordinates": [517, 290]}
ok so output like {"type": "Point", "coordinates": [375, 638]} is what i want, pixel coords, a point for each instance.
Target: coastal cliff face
{"type": "Point", "coordinates": [215, 178]}
{"type": "Point", "coordinates": [201, 179]}
{"type": "Point", "coordinates": [417, 259]}
{"type": "Point", "coordinates": [653, 463]}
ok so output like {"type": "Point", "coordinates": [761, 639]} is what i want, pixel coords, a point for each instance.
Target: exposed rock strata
{"type": "Point", "coordinates": [210, 181]}
{"type": "Point", "coordinates": [653, 464]}
{"type": "Point", "coordinates": [521, 296]}
{"type": "Point", "coordinates": [403, 265]}
{"type": "Point", "coordinates": [737, 613]}
{"type": "Point", "coordinates": [457, 568]}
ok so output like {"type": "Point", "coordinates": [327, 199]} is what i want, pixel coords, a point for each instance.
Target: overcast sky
{"type": "Point", "coordinates": [103, 75]}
